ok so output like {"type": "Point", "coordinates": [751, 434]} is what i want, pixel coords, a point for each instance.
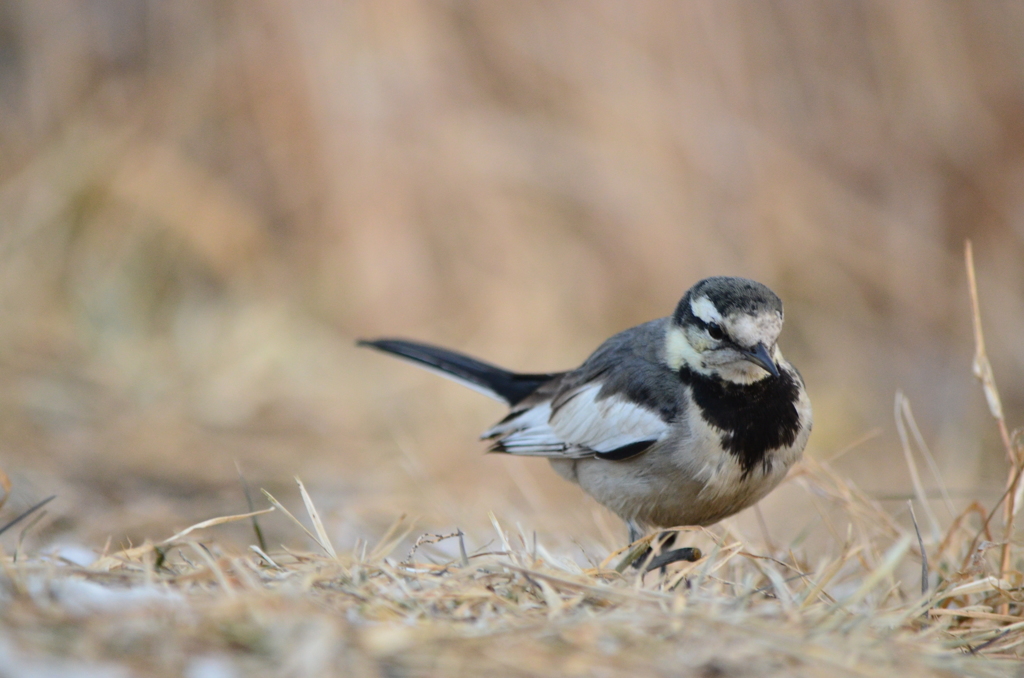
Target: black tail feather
{"type": "Point", "coordinates": [504, 385]}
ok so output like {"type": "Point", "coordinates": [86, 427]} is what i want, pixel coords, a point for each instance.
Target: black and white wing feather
{"type": "Point", "coordinates": [584, 423]}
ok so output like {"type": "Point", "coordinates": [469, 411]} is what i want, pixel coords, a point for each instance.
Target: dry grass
{"type": "Point", "coordinates": [520, 609]}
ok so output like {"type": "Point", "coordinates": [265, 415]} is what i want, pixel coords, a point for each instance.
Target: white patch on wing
{"type": "Point", "coordinates": [529, 433]}
{"type": "Point", "coordinates": [580, 427]}
{"type": "Point", "coordinates": [705, 310]}
{"type": "Point", "coordinates": [534, 418]}
{"type": "Point", "coordinates": [605, 424]}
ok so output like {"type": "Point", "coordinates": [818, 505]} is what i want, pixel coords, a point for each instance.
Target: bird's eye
{"type": "Point", "coordinates": [715, 331]}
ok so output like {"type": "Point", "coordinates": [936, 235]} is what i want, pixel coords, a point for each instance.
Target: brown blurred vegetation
{"type": "Point", "coordinates": [202, 205]}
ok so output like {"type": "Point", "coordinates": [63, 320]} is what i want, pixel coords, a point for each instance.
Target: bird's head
{"type": "Point", "coordinates": [727, 328]}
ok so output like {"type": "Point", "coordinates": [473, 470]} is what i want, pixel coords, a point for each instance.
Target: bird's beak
{"type": "Point", "coordinates": [760, 357]}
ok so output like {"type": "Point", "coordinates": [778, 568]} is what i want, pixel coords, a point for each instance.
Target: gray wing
{"type": "Point", "coordinates": [620, 402]}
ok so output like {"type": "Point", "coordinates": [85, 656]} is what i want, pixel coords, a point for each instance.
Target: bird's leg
{"type": "Point", "coordinates": [635, 531]}
{"type": "Point", "coordinates": [634, 553]}
{"type": "Point", "coordinates": [687, 554]}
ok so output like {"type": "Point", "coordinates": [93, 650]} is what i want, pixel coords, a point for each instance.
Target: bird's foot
{"type": "Point", "coordinates": [687, 554]}
{"type": "Point", "coordinates": [642, 554]}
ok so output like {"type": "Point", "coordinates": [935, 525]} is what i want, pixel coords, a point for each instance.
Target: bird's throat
{"type": "Point", "coordinates": [753, 419]}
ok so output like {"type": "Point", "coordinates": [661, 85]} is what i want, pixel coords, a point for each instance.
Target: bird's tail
{"type": "Point", "coordinates": [492, 381]}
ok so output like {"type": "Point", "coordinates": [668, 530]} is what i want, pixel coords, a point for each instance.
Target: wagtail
{"type": "Point", "coordinates": [683, 420]}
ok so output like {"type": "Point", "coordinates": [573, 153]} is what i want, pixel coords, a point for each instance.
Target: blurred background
{"type": "Point", "coordinates": [203, 205]}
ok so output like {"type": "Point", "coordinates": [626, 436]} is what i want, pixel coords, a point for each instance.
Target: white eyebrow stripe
{"type": "Point", "coordinates": [705, 310]}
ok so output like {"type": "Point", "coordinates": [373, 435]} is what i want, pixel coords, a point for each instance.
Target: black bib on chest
{"type": "Point", "coordinates": [754, 418]}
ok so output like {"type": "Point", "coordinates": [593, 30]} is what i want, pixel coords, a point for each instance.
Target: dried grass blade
{"type": "Point", "coordinates": [902, 414]}
{"type": "Point", "coordinates": [603, 590]}
{"type": "Point", "coordinates": [819, 586]}
{"type": "Point", "coordinates": [501, 533]}
{"type": "Point", "coordinates": [920, 545]}
{"type": "Point", "coordinates": [263, 554]}
{"type": "Point", "coordinates": [390, 540]}
{"type": "Point", "coordinates": [252, 507]}
{"type": "Point", "coordinates": [998, 632]}
{"type": "Point", "coordinates": [857, 442]}
{"type": "Point", "coordinates": [214, 521]}
{"type": "Point", "coordinates": [222, 578]}
{"type": "Point", "coordinates": [25, 530]}
{"type": "Point", "coordinates": [973, 614]}
{"type": "Point", "coordinates": [295, 520]}
{"type": "Point", "coordinates": [929, 458]}
{"type": "Point", "coordinates": [314, 516]}
{"type": "Point", "coordinates": [978, 586]}
{"type": "Point", "coordinates": [711, 560]}
{"type": "Point", "coordinates": [778, 584]}
{"type": "Point", "coordinates": [463, 556]}
{"type": "Point", "coordinates": [888, 565]}
{"type": "Point", "coordinates": [634, 553]}
{"type": "Point", "coordinates": [27, 513]}
{"type": "Point", "coordinates": [983, 371]}
{"type": "Point", "coordinates": [982, 367]}
{"type": "Point", "coordinates": [551, 599]}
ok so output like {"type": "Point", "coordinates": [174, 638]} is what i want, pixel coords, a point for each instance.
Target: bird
{"type": "Point", "coordinates": [680, 421]}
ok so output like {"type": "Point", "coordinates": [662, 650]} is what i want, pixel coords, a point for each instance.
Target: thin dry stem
{"type": "Point", "coordinates": [983, 371]}
{"type": "Point", "coordinates": [902, 414]}
{"type": "Point", "coordinates": [314, 516]}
